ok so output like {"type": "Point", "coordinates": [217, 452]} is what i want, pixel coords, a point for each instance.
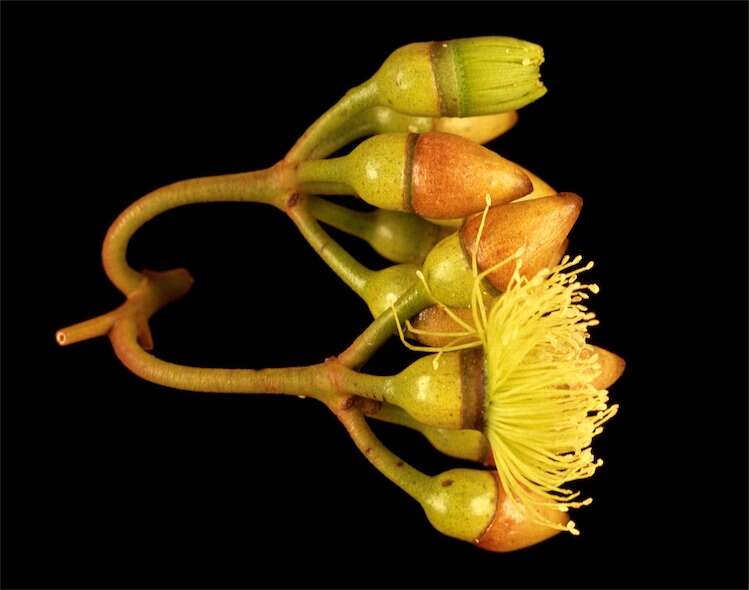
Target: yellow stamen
{"type": "Point", "coordinates": [542, 409]}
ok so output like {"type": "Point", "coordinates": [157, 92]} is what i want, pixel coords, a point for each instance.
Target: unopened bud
{"type": "Point", "coordinates": [437, 175]}
{"type": "Point", "coordinates": [435, 326]}
{"type": "Point", "coordinates": [541, 188]}
{"type": "Point", "coordinates": [461, 78]}
{"type": "Point", "coordinates": [452, 177]}
{"type": "Point", "coordinates": [479, 129]}
{"type": "Point", "coordinates": [538, 227]}
{"type": "Point", "coordinates": [513, 528]}
{"type": "Point", "coordinates": [471, 505]}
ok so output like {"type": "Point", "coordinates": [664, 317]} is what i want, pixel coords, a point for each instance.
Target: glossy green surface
{"type": "Point", "coordinates": [430, 395]}
{"type": "Point", "coordinates": [376, 170]}
{"type": "Point", "coordinates": [448, 273]}
{"type": "Point", "coordinates": [461, 444]}
{"type": "Point", "coordinates": [384, 287]}
{"type": "Point", "coordinates": [461, 503]}
{"type": "Point", "coordinates": [405, 82]}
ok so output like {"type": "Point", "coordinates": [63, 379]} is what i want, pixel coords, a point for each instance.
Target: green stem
{"type": "Point", "coordinates": [355, 223]}
{"type": "Point", "coordinates": [374, 387]}
{"type": "Point", "coordinates": [461, 444]}
{"type": "Point", "coordinates": [414, 300]}
{"type": "Point", "coordinates": [374, 120]}
{"type": "Point", "coordinates": [264, 186]}
{"type": "Point", "coordinates": [410, 480]}
{"type": "Point", "coordinates": [352, 272]}
{"type": "Point", "coordinates": [329, 124]}
{"type": "Point", "coordinates": [310, 380]}
{"type": "Point", "coordinates": [360, 126]}
{"type": "Point", "coordinates": [328, 177]}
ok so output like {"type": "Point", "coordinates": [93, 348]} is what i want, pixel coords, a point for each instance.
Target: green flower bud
{"type": "Point", "coordinates": [461, 78]}
{"type": "Point", "coordinates": [539, 227]}
{"type": "Point", "coordinates": [403, 237]}
{"type": "Point", "coordinates": [397, 236]}
{"type": "Point", "coordinates": [461, 503]}
{"type": "Point", "coordinates": [472, 505]}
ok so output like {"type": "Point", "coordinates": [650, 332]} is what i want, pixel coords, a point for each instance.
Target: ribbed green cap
{"type": "Point", "coordinates": [486, 75]}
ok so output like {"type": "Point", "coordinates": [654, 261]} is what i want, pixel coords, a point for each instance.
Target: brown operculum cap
{"type": "Point", "coordinates": [437, 322]}
{"type": "Point", "coordinates": [512, 527]}
{"type": "Point", "coordinates": [451, 176]}
{"type": "Point", "coordinates": [539, 226]}
{"type": "Point", "coordinates": [612, 367]}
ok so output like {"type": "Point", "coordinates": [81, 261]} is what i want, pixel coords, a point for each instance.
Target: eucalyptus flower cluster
{"type": "Point", "coordinates": [480, 282]}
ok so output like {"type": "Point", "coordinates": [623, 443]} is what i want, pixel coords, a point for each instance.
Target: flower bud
{"type": "Point", "coordinates": [481, 129]}
{"type": "Point", "coordinates": [470, 445]}
{"type": "Point", "coordinates": [452, 177]}
{"type": "Point", "coordinates": [539, 226]}
{"type": "Point", "coordinates": [402, 237]}
{"type": "Point", "coordinates": [437, 175]}
{"type": "Point", "coordinates": [399, 237]}
{"type": "Point", "coordinates": [513, 528]}
{"type": "Point", "coordinates": [541, 188]}
{"type": "Point", "coordinates": [461, 78]}
{"type": "Point", "coordinates": [471, 505]}
{"type": "Point", "coordinates": [434, 326]}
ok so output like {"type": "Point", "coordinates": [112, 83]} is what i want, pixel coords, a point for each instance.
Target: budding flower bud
{"type": "Point", "coordinates": [437, 175]}
{"type": "Point", "coordinates": [513, 528]}
{"type": "Point", "coordinates": [471, 505]}
{"type": "Point", "coordinates": [461, 78]}
{"type": "Point", "coordinates": [479, 129]}
{"type": "Point", "coordinates": [539, 227]}
{"type": "Point", "coordinates": [452, 177]}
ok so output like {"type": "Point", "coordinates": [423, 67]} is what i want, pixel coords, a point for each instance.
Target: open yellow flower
{"type": "Point", "coordinates": [542, 405]}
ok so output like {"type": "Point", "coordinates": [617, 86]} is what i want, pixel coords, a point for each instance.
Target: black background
{"type": "Point", "coordinates": [109, 481]}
